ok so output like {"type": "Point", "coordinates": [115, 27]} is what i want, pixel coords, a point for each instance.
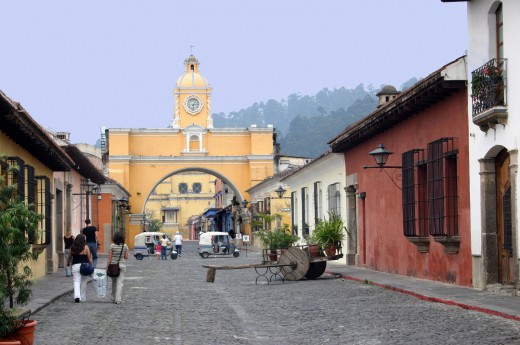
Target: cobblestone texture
{"type": "Point", "coordinates": [169, 302]}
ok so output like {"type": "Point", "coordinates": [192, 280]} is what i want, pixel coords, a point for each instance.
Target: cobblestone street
{"type": "Point", "coordinates": [169, 302]}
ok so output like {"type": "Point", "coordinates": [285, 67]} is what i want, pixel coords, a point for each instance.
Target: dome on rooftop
{"type": "Point", "coordinates": [388, 90]}
{"type": "Point", "coordinates": [191, 79]}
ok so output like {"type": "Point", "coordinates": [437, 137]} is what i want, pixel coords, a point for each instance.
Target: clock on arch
{"type": "Point", "coordinates": [193, 104]}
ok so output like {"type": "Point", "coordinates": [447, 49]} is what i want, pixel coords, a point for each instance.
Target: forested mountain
{"type": "Point", "coordinates": [305, 123]}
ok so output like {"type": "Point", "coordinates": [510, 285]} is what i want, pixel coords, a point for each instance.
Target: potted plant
{"type": "Point", "coordinates": [270, 240]}
{"type": "Point", "coordinates": [329, 233]}
{"type": "Point", "coordinates": [18, 223]}
{"type": "Point", "coordinates": [312, 245]}
{"type": "Point", "coordinates": [263, 222]}
{"type": "Point", "coordinates": [286, 238]}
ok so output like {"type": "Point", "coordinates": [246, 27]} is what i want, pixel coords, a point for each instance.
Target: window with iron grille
{"type": "Point", "coordinates": [4, 167]}
{"type": "Point", "coordinates": [267, 205]}
{"type": "Point", "coordinates": [254, 211]}
{"type": "Point", "coordinates": [183, 188]}
{"type": "Point", "coordinates": [43, 207]}
{"type": "Point", "coordinates": [414, 191]}
{"type": "Point", "coordinates": [17, 175]}
{"type": "Point", "coordinates": [508, 227]}
{"type": "Point", "coordinates": [334, 198]}
{"type": "Point", "coordinates": [442, 187]}
{"type": "Point", "coordinates": [30, 182]}
{"type": "Point", "coordinates": [294, 213]}
{"type": "Point", "coordinates": [197, 187]}
{"type": "Point", "coordinates": [305, 211]}
{"type": "Point", "coordinates": [317, 202]}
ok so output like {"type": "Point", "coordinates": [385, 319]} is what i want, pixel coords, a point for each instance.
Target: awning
{"type": "Point", "coordinates": [210, 213]}
{"type": "Point", "coordinates": [170, 208]}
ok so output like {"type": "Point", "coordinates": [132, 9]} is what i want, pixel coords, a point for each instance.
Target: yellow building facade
{"type": "Point", "coordinates": [178, 198]}
{"type": "Point", "coordinates": [23, 143]}
{"type": "Point", "coordinates": [141, 159]}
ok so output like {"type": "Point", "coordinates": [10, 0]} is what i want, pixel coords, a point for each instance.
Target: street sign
{"type": "Point", "coordinates": [245, 238]}
{"type": "Point", "coordinates": [239, 236]}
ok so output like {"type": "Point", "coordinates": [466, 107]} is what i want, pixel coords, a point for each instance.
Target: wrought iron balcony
{"type": "Point", "coordinates": [489, 93]}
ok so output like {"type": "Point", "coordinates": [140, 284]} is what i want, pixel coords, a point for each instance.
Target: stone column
{"type": "Point", "coordinates": [488, 212]}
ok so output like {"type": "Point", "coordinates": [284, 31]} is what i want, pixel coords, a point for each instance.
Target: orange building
{"type": "Point", "coordinates": [140, 159]}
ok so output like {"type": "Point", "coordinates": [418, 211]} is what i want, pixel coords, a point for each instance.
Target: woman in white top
{"type": "Point", "coordinates": [118, 251]}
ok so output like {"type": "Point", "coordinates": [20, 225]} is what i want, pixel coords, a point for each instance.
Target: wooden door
{"type": "Point", "coordinates": [504, 229]}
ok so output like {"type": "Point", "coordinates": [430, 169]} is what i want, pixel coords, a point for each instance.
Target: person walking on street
{"type": "Point", "coordinates": [164, 247]}
{"type": "Point", "coordinates": [68, 239]}
{"type": "Point", "coordinates": [118, 251]}
{"type": "Point", "coordinates": [178, 242]}
{"type": "Point", "coordinates": [158, 251]}
{"type": "Point", "coordinates": [90, 233]}
{"type": "Point", "coordinates": [78, 254]}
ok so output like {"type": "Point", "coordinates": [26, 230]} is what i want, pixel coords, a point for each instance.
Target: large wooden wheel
{"type": "Point", "coordinates": [316, 269]}
{"type": "Point", "coordinates": [300, 261]}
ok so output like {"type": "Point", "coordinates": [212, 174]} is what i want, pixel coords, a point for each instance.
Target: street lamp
{"type": "Point", "coordinates": [89, 187]}
{"type": "Point", "coordinates": [381, 155]}
{"type": "Point", "coordinates": [280, 191]}
{"type": "Point", "coordinates": [244, 203]}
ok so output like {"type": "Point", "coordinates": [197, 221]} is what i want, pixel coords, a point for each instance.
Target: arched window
{"type": "Point", "coordinates": [194, 143]}
{"type": "Point", "coordinates": [183, 188]}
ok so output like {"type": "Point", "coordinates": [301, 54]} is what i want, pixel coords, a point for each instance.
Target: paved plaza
{"type": "Point", "coordinates": [169, 302]}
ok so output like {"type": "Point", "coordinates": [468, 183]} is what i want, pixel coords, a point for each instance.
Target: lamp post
{"type": "Point", "coordinates": [89, 187]}
{"type": "Point", "coordinates": [124, 206]}
{"type": "Point", "coordinates": [280, 191]}
{"type": "Point", "coordinates": [381, 155]}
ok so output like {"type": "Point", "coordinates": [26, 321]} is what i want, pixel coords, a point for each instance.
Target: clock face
{"type": "Point", "coordinates": [193, 105]}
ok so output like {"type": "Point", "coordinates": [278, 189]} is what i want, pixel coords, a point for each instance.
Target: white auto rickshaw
{"type": "Point", "coordinates": [145, 242]}
{"type": "Point", "coordinates": [217, 243]}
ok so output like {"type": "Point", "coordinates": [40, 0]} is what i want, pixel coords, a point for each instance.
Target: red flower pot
{"type": "Point", "coordinates": [25, 335]}
{"type": "Point", "coordinates": [4, 341]}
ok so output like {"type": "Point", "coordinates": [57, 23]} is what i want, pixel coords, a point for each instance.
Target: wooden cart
{"type": "Point", "coordinates": [294, 263]}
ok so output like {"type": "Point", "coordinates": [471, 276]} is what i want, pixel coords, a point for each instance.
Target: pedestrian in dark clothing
{"type": "Point", "coordinates": [68, 239]}
{"type": "Point", "coordinates": [78, 254]}
{"type": "Point", "coordinates": [90, 233]}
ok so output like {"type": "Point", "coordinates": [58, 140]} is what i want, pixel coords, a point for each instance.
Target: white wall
{"type": "Point", "coordinates": [481, 49]}
{"type": "Point", "coordinates": [329, 169]}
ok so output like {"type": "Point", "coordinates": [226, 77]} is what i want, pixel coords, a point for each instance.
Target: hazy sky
{"type": "Point", "coordinates": [79, 65]}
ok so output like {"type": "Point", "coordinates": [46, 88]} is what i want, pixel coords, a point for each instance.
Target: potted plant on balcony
{"type": "Point", "coordinates": [329, 233]}
{"type": "Point", "coordinates": [18, 223]}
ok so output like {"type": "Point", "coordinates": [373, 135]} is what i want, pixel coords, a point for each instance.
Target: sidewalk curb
{"type": "Point", "coordinates": [40, 306]}
{"type": "Point", "coordinates": [427, 298]}
{"type": "Point", "coordinates": [46, 302]}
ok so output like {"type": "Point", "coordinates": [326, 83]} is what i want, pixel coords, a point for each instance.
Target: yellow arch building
{"type": "Point", "coordinates": [140, 159]}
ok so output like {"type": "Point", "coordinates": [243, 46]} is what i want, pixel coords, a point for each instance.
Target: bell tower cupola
{"type": "Point", "coordinates": [192, 64]}
{"type": "Point", "coordinates": [192, 96]}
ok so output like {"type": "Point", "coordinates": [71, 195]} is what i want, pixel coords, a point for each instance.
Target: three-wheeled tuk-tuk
{"type": "Point", "coordinates": [144, 245]}
{"type": "Point", "coordinates": [217, 243]}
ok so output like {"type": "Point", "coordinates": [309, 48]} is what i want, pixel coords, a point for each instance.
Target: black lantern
{"type": "Point", "coordinates": [90, 188]}
{"type": "Point", "coordinates": [280, 191]}
{"type": "Point", "coordinates": [244, 203]}
{"type": "Point", "coordinates": [380, 155]}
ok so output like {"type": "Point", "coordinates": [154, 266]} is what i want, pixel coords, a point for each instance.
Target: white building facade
{"type": "Point", "coordinates": [316, 190]}
{"type": "Point", "coordinates": [494, 122]}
